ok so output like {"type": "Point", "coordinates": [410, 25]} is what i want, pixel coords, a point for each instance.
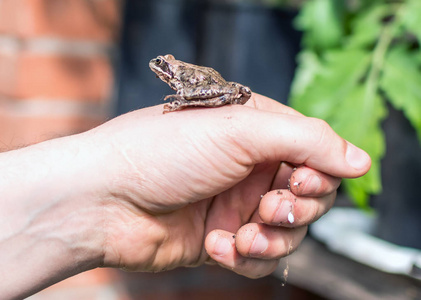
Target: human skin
{"type": "Point", "coordinates": [150, 192]}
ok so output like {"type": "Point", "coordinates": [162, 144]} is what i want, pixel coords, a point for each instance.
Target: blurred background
{"type": "Point", "coordinates": [69, 65]}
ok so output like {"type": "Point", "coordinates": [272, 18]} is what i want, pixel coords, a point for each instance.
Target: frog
{"type": "Point", "coordinates": [196, 86]}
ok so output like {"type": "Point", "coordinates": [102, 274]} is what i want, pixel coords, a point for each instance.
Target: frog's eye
{"type": "Point", "coordinates": [158, 61]}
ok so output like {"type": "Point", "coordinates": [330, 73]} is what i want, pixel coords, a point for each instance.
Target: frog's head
{"type": "Point", "coordinates": [162, 66]}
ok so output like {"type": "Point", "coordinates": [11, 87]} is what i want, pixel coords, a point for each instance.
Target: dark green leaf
{"type": "Point", "coordinates": [401, 81]}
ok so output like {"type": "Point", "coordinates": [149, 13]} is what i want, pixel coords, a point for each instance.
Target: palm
{"type": "Point", "coordinates": [189, 225]}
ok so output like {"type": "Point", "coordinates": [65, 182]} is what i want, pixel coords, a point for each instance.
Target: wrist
{"type": "Point", "coordinates": [52, 223]}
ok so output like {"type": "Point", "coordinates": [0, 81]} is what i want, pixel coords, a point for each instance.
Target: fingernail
{"type": "Point", "coordinates": [356, 157]}
{"type": "Point", "coordinates": [260, 244]}
{"type": "Point", "coordinates": [222, 246]}
{"type": "Point", "coordinates": [281, 215]}
{"type": "Point", "coordinates": [312, 185]}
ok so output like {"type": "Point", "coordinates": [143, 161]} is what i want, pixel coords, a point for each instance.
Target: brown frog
{"type": "Point", "coordinates": [196, 85]}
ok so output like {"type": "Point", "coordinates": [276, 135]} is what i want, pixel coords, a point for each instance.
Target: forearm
{"type": "Point", "coordinates": [48, 231]}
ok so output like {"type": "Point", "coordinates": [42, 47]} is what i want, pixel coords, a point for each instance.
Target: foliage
{"type": "Point", "coordinates": [355, 59]}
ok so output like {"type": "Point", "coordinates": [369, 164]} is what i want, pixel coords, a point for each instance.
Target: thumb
{"type": "Point", "coordinates": [298, 140]}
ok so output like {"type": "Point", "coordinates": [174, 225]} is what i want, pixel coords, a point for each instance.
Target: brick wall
{"type": "Point", "coordinates": [55, 72]}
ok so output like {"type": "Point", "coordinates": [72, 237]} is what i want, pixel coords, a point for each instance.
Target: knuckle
{"type": "Point", "coordinates": [320, 130]}
{"type": "Point", "coordinates": [321, 137]}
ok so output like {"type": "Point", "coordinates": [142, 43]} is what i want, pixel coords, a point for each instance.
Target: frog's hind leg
{"type": "Point", "coordinates": [244, 94]}
{"type": "Point", "coordinates": [179, 103]}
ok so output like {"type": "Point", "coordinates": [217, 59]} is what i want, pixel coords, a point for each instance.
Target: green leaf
{"type": "Point", "coordinates": [331, 81]}
{"type": "Point", "coordinates": [309, 66]}
{"type": "Point", "coordinates": [401, 82]}
{"type": "Point", "coordinates": [354, 58]}
{"type": "Point", "coordinates": [322, 22]}
{"type": "Point", "coordinates": [417, 57]}
{"type": "Point", "coordinates": [410, 17]}
{"type": "Point", "coordinates": [338, 95]}
{"type": "Point", "coordinates": [367, 25]}
{"type": "Point", "coordinates": [357, 119]}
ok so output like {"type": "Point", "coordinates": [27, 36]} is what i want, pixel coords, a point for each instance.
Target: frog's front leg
{"type": "Point", "coordinates": [176, 102]}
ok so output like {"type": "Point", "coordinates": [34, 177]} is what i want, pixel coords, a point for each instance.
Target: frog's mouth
{"type": "Point", "coordinates": [164, 76]}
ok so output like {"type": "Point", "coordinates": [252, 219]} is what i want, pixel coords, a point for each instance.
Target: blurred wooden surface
{"type": "Point", "coordinates": [314, 268]}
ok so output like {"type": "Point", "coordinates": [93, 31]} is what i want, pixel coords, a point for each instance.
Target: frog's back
{"type": "Point", "coordinates": [202, 75]}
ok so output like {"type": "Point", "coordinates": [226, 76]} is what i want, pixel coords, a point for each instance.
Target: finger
{"type": "Point", "coordinates": [268, 242]}
{"type": "Point", "coordinates": [297, 140]}
{"type": "Point", "coordinates": [282, 176]}
{"type": "Point", "coordinates": [282, 207]}
{"type": "Point", "coordinates": [220, 245]}
{"type": "Point", "coordinates": [307, 182]}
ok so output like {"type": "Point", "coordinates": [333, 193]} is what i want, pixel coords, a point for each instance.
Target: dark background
{"type": "Point", "coordinates": [250, 44]}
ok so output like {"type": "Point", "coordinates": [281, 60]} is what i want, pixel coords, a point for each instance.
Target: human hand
{"type": "Point", "coordinates": [150, 192]}
{"type": "Point", "coordinates": [182, 185]}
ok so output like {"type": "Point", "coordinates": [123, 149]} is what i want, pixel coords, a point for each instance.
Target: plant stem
{"type": "Point", "coordinates": [379, 54]}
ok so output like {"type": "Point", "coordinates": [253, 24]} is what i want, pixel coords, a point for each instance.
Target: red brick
{"type": "Point", "coordinates": [76, 19]}
{"type": "Point", "coordinates": [29, 75]}
{"type": "Point", "coordinates": [16, 132]}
